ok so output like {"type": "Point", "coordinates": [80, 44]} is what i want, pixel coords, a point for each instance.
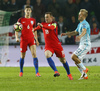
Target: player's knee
{"type": "Point", "coordinates": [34, 55]}
{"type": "Point", "coordinates": [73, 57]}
{"type": "Point", "coordinates": [22, 56]}
{"type": "Point", "coordinates": [47, 56]}
{"type": "Point", "coordinates": [63, 60]}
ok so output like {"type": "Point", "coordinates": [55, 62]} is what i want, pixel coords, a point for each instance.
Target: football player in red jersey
{"type": "Point", "coordinates": [27, 39]}
{"type": "Point", "coordinates": [52, 44]}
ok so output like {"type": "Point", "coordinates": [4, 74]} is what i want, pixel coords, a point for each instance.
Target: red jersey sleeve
{"type": "Point", "coordinates": [37, 28]}
{"type": "Point", "coordinates": [51, 27]}
{"type": "Point", "coordinates": [19, 20]}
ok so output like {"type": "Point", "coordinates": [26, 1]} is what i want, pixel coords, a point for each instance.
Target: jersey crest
{"type": "Point", "coordinates": [48, 24]}
{"type": "Point", "coordinates": [32, 22]}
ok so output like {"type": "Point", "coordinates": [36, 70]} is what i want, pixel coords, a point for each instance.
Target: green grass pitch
{"type": "Point", "coordinates": [10, 80]}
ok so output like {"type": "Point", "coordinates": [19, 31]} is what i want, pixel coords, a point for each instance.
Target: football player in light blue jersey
{"type": "Point", "coordinates": [83, 29]}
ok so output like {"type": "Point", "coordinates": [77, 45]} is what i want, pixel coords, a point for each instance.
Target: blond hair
{"type": "Point", "coordinates": [85, 12]}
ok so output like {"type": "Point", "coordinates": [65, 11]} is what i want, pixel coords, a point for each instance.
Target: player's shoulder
{"type": "Point", "coordinates": [54, 22]}
{"type": "Point", "coordinates": [85, 23]}
{"type": "Point", "coordinates": [19, 20]}
{"type": "Point", "coordinates": [32, 19]}
{"type": "Point", "coordinates": [43, 23]}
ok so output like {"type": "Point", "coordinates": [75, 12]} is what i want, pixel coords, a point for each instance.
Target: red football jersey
{"type": "Point", "coordinates": [50, 34]}
{"type": "Point", "coordinates": [28, 25]}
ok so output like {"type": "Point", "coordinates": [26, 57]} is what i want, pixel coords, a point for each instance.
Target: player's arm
{"type": "Point", "coordinates": [36, 28]}
{"type": "Point", "coordinates": [51, 27]}
{"type": "Point", "coordinates": [36, 38]}
{"type": "Point", "coordinates": [73, 33]}
{"type": "Point", "coordinates": [82, 34]}
{"type": "Point", "coordinates": [16, 36]}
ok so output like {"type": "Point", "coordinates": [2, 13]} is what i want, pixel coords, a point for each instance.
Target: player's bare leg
{"type": "Point", "coordinates": [66, 66]}
{"type": "Point", "coordinates": [48, 54]}
{"type": "Point", "coordinates": [35, 59]}
{"type": "Point", "coordinates": [81, 67]}
{"type": "Point", "coordinates": [33, 51]}
{"type": "Point", "coordinates": [51, 63]}
{"type": "Point", "coordinates": [21, 63]}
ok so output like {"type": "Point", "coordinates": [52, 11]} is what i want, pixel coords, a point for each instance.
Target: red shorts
{"type": "Point", "coordinates": [26, 42]}
{"type": "Point", "coordinates": [57, 50]}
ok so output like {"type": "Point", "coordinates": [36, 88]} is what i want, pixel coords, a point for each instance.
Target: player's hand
{"type": "Point", "coordinates": [17, 39]}
{"type": "Point", "coordinates": [63, 34]}
{"type": "Point", "coordinates": [77, 38]}
{"type": "Point", "coordinates": [33, 30]}
{"type": "Point", "coordinates": [39, 24]}
{"type": "Point", "coordinates": [37, 43]}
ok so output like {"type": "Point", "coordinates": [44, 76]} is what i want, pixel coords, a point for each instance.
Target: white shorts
{"type": "Point", "coordinates": [82, 51]}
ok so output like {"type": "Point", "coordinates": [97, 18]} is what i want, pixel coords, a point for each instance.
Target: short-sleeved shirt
{"type": "Point", "coordinates": [52, 43]}
{"type": "Point", "coordinates": [28, 25]}
{"type": "Point", "coordinates": [51, 35]}
{"type": "Point", "coordinates": [85, 40]}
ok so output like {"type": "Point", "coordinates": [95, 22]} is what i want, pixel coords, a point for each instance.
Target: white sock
{"type": "Point", "coordinates": [81, 66]}
{"type": "Point", "coordinates": [85, 75]}
{"type": "Point", "coordinates": [81, 70]}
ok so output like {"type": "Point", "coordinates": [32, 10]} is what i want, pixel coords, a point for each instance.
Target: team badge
{"type": "Point", "coordinates": [84, 25]}
{"type": "Point", "coordinates": [49, 24]}
{"type": "Point", "coordinates": [32, 22]}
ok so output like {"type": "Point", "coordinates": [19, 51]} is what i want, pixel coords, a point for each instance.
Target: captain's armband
{"type": "Point", "coordinates": [54, 24]}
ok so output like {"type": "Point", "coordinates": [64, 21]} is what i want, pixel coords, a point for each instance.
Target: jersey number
{"type": "Point", "coordinates": [28, 27]}
{"type": "Point", "coordinates": [79, 50]}
{"type": "Point", "coordinates": [46, 32]}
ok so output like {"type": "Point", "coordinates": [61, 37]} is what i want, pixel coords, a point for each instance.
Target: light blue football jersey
{"type": "Point", "coordinates": [85, 40]}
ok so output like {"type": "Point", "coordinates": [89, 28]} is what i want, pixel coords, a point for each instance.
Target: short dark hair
{"type": "Point", "coordinates": [27, 6]}
{"type": "Point", "coordinates": [49, 13]}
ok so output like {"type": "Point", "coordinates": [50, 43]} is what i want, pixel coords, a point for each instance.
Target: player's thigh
{"type": "Point", "coordinates": [31, 42]}
{"type": "Point", "coordinates": [74, 56]}
{"type": "Point", "coordinates": [23, 46]}
{"type": "Point", "coordinates": [82, 51]}
{"type": "Point", "coordinates": [59, 52]}
{"type": "Point", "coordinates": [48, 53]}
{"type": "Point", "coordinates": [33, 50]}
{"type": "Point", "coordinates": [63, 60]}
{"type": "Point", "coordinates": [23, 55]}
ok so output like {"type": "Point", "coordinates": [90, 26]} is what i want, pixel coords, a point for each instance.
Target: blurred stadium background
{"type": "Point", "coordinates": [65, 13]}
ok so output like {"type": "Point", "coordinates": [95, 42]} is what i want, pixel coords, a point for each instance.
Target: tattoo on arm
{"type": "Point", "coordinates": [72, 33]}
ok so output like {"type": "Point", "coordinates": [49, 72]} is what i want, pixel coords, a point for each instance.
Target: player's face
{"type": "Point", "coordinates": [28, 11]}
{"type": "Point", "coordinates": [81, 16]}
{"type": "Point", "coordinates": [48, 18]}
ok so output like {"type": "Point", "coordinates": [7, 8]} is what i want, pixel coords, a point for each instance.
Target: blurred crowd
{"type": "Point", "coordinates": [64, 11]}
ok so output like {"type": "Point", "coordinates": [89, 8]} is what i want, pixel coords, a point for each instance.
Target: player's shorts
{"type": "Point", "coordinates": [82, 51]}
{"type": "Point", "coordinates": [58, 51]}
{"type": "Point", "coordinates": [26, 42]}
